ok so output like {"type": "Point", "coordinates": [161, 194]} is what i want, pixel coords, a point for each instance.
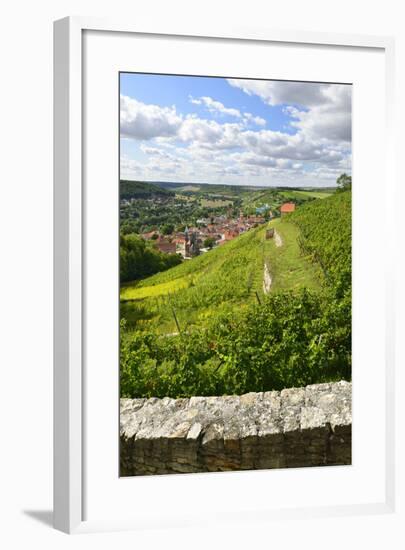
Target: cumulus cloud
{"type": "Point", "coordinates": [214, 106]}
{"type": "Point", "coordinates": [157, 152]}
{"type": "Point", "coordinates": [293, 147]}
{"type": "Point", "coordinates": [141, 121]}
{"type": "Point", "coordinates": [248, 117]}
{"type": "Point", "coordinates": [282, 92]}
{"type": "Point", "coordinates": [191, 148]}
{"type": "Point", "coordinates": [197, 129]}
{"type": "Point", "coordinates": [330, 119]}
{"type": "Point", "coordinates": [320, 110]}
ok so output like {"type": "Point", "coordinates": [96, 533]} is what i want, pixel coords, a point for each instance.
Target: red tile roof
{"type": "Point", "coordinates": [287, 207]}
{"type": "Point", "coordinates": [149, 235]}
{"type": "Point", "coordinates": [166, 246]}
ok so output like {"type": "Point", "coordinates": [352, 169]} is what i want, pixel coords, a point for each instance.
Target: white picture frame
{"type": "Point", "coordinates": [70, 383]}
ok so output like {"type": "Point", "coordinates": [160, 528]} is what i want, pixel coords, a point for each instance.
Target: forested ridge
{"type": "Point", "coordinates": [141, 189]}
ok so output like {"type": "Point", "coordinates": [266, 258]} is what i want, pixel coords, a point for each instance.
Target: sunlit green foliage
{"type": "Point", "coordinates": [287, 340]}
{"type": "Point", "coordinates": [326, 235]}
{"type": "Point", "coordinates": [137, 260]}
{"type": "Point", "coordinates": [205, 327]}
{"type": "Point", "coordinates": [230, 276]}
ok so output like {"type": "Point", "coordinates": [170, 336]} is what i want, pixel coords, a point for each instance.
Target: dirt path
{"type": "Point", "coordinates": [277, 239]}
{"type": "Point", "coordinates": [266, 279]}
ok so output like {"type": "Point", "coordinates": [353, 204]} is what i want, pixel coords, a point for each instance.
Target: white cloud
{"type": "Point", "coordinates": [214, 106]}
{"type": "Point", "coordinates": [293, 147]}
{"type": "Point", "coordinates": [282, 92]}
{"type": "Point", "coordinates": [197, 129]}
{"type": "Point", "coordinates": [190, 148]}
{"type": "Point", "coordinates": [141, 121]}
{"type": "Point", "coordinates": [251, 158]}
{"type": "Point", "coordinates": [156, 152]}
{"type": "Point", "coordinates": [330, 119]}
{"type": "Point", "coordinates": [248, 117]}
{"type": "Point", "coordinates": [324, 110]}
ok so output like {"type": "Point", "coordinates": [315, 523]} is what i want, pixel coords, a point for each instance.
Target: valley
{"type": "Point", "coordinates": [265, 308]}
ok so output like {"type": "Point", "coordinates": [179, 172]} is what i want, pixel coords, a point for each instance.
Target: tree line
{"type": "Point", "coordinates": [138, 260]}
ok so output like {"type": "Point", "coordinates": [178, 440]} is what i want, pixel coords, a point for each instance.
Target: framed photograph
{"type": "Point", "coordinates": [235, 275]}
{"type": "Point", "coordinates": [223, 307]}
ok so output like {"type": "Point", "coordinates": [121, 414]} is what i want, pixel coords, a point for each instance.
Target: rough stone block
{"type": "Point", "coordinates": [296, 427]}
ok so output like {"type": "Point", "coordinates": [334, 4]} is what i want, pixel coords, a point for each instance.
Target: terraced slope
{"type": "Point", "coordinates": [326, 235]}
{"type": "Point", "coordinates": [230, 276]}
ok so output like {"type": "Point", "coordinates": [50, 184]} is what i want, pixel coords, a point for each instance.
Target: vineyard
{"type": "Point", "coordinates": [206, 327]}
{"type": "Point", "coordinates": [228, 277]}
{"type": "Point", "coordinates": [326, 235]}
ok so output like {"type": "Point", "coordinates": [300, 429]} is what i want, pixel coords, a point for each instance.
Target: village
{"type": "Point", "coordinates": [211, 232]}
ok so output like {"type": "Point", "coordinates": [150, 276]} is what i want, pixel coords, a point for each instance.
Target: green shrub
{"type": "Point", "coordinates": [137, 260]}
{"type": "Point", "coordinates": [288, 340]}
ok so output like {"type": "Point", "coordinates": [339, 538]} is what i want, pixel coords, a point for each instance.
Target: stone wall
{"type": "Point", "coordinates": [296, 427]}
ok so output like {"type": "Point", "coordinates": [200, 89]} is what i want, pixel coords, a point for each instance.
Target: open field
{"type": "Point", "coordinates": [214, 203]}
{"type": "Point", "coordinates": [189, 188]}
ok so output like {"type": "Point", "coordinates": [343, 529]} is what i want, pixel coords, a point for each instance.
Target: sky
{"type": "Point", "coordinates": [234, 131]}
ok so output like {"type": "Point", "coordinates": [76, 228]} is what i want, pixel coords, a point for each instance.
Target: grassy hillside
{"type": "Point", "coordinates": [206, 327]}
{"type": "Point", "coordinates": [306, 195]}
{"type": "Point", "coordinates": [326, 235]}
{"type": "Point", "coordinates": [275, 197]}
{"type": "Point", "coordinates": [228, 276]}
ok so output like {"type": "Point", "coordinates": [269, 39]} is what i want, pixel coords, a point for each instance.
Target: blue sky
{"type": "Point", "coordinates": [167, 90]}
{"type": "Point", "coordinates": [217, 130]}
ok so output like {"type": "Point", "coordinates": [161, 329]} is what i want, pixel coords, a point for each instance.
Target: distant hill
{"type": "Point", "coordinates": [222, 188]}
{"type": "Point", "coordinates": [168, 184]}
{"type": "Point", "coordinates": [141, 189]}
{"type": "Point", "coordinates": [207, 187]}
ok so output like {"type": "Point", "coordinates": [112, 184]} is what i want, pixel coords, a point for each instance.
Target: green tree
{"type": "Point", "coordinates": [209, 242]}
{"type": "Point", "coordinates": [167, 229]}
{"type": "Point", "coordinates": [138, 260]}
{"type": "Point", "coordinates": [344, 182]}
